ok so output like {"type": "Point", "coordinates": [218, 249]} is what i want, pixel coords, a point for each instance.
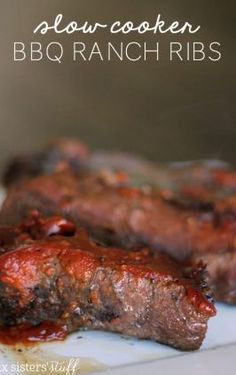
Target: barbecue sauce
{"type": "Point", "coordinates": [28, 335]}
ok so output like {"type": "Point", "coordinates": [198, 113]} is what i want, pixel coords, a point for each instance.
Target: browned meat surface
{"type": "Point", "coordinates": [51, 272]}
{"type": "Point", "coordinates": [58, 155]}
{"type": "Point", "coordinates": [206, 184]}
{"type": "Point", "coordinates": [33, 227]}
{"type": "Point", "coordinates": [133, 217]}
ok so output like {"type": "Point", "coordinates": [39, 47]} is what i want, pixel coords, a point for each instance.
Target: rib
{"type": "Point", "coordinates": [53, 272]}
{"type": "Point", "coordinates": [57, 155]}
{"type": "Point", "coordinates": [131, 217]}
{"type": "Point", "coordinates": [199, 184]}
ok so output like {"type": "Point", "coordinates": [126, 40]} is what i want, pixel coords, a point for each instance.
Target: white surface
{"type": "Point", "coordinates": [216, 361]}
{"type": "Point", "coordinates": [115, 350]}
{"type": "Point", "coordinates": [120, 355]}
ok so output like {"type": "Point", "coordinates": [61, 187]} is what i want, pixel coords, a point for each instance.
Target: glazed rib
{"type": "Point", "coordinates": [52, 272]}
{"type": "Point", "coordinates": [199, 184]}
{"type": "Point", "coordinates": [132, 217]}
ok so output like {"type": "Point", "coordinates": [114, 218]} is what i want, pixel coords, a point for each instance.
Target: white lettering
{"type": "Point", "coordinates": [175, 49]}
{"type": "Point", "coordinates": [36, 51]}
{"type": "Point", "coordinates": [78, 50]}
{"type": "Point", "coordinates": [160, 26]}
{"type": "Point", "coordinates": [19, 51]}
{"type": "Point", "coordinates": [217, 53]}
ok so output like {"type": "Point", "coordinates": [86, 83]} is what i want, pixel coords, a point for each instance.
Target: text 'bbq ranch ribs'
{"type": "Point", "coordinates": [52, 273]}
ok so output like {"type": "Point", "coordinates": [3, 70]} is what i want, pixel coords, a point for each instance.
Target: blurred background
{"type": "Point", "coordinates": [162, 110]}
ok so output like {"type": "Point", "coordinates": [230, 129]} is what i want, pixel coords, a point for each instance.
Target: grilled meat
{"type": "Point", "coordinates": [131, 217]}
{"type": "Point", "coordinates": [199, 185]}
{"type": "Point", "coordinates": [52, 272]}
{"type": "Point", "coordinates": [58, 155]}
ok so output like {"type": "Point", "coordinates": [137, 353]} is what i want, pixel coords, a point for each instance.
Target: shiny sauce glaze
{"type": "Point", "coordinates": [28, 335]}
{"type": "Point", "coordinates": [79, 254]}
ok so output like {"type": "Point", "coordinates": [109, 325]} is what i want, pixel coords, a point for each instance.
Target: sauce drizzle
{"type": "Point", "coordinates": [28, 335]}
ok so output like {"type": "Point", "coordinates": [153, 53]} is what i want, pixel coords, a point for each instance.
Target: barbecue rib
{"type": "Point", "coordinates": [58, 155]}
{"type": "Point", "coordinates": [206, 184]}
{"type": "Point", "coordinates": [131, 217]}
{"type": "Point", "coordinates": [49, 271]}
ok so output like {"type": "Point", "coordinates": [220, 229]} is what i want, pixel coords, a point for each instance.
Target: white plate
{"type": "Point", "coordinates": [114, 354]}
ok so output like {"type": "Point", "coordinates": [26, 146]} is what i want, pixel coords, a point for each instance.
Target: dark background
{"type": "Point", "coordinates": [163, 110]}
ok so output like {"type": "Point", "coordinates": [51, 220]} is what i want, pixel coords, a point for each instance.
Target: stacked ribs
{"type": "Point", "coordinates": [171, 222]}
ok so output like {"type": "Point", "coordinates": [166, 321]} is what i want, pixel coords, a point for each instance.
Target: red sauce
{"type": "Point", "coordinates": [130, 193]}
{"type": "Point", "coordinates": [201, 303]}
{"type": "Point", "coordinates": [225, 178]}
{"type": "Point", "coordinates": [28, 335]}
{"type": "Point", "coordinates": [40, 227]}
